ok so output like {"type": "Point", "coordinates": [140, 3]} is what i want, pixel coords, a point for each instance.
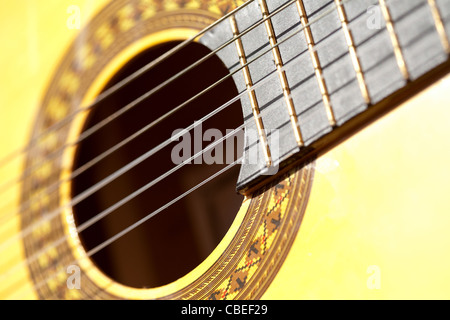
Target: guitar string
{"type": "Point", "coordinates": [309, 23]}
{"type": "Point", "coordinates": [289, 64]}
{"type": "Point", "coordinates": [118, 204]}
{"type": "Point", "coordinates": [17, 153]}
{"type": "Point", "coordinates": [90, 131]}
{"type": "Point", "coordinates": [106, 180]}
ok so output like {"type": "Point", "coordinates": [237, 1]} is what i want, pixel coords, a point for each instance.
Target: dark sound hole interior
{"type": "Point", "coordinates": [179, 238]}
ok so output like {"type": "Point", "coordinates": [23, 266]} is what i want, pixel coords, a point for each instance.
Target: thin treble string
{"type": "Point", "coordinates": [101, 124]}
{"type": "Point", "coordinates": [105, 181]}
{"type": "Point", "coordinates": [58, 125]}
{"type": "Point", "coordinates": [150, 184]}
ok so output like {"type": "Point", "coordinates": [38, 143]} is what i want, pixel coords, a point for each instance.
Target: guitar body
{"type": "Point", "coordinates": [367, 218]}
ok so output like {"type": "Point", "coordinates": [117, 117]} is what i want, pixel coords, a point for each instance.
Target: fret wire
{"type": "Point", "coordinates": [394, 39]}
{"type": "Point", "coordinates": [316, 62]}
{"type": "Point", "coordinates": [439, 25]}
{"type": "Point", "coordinates": [282, 74]}
{"type": "Point", "coordinates": [251, 92]}
{"type": "Point", "coordinates": [352, 50]}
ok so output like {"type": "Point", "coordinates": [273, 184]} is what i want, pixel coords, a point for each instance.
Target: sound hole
{"type": "Point", "coordinates": [179, 238]}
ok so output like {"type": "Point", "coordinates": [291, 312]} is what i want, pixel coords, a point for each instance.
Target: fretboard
{"type": "Point", "coordinates": [305, 69]}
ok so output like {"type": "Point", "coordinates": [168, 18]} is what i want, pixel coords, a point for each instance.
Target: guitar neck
{"type": "Point", "coordinates": [310, 71]}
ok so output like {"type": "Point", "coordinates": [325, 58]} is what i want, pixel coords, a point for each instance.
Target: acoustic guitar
{"type": "Point", "coordinates": [197, 149]}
